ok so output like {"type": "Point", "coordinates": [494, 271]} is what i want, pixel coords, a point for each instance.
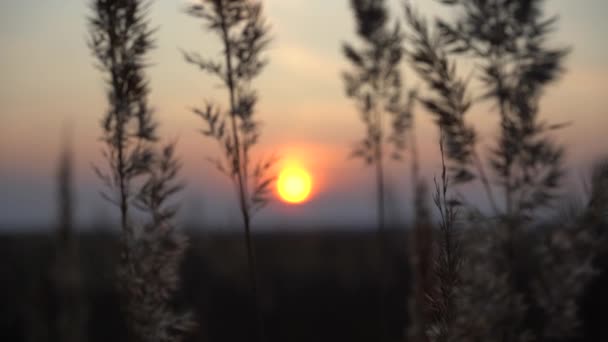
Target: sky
{"type": "Point", "coordinates": [48, 81]}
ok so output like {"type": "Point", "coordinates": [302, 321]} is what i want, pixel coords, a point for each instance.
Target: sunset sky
{"type": "Point", "coordinates": [48, 81]}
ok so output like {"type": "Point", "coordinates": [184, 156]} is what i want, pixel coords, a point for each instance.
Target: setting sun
{"type": "Point", "coordinates": [294, 185]}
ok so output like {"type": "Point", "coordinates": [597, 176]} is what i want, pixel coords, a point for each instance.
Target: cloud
{"type": "Point", "coordinates": [305, 62]}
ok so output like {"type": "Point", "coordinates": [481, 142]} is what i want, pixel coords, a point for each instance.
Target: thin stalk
{"type": "Point", "coordinates": [120, 133]}
{"type": "Point", "coordinates": [122, 181]}
{"type": "Point", "coordinates": [415, 168]}
{"type": "Point", "coordinates": [448, 263]}
{"type": "Point", "coordinates": [510, 224]}
{"type": "Point", "coordinates": [381, 233]}
{"type": "Point", "coordinates": [380, 179]}
{"type": "Point", "coordinates": [380, 195]}
{"type": "Point", "coordinates": [421, 247]}
{"type": "Point", "coordinates": [498, 65]}
{"type": "Point", "coordinates": [251, 259]}
{"type": "Point", "coordinates": [235, 135]}
{"type": "Point", "coordinates": [124, 205]}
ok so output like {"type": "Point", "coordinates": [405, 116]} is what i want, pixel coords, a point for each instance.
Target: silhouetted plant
{"type": "Point", "coordinates": [488, 307]}
{"type": "Point", "coordinates": [160, 186]}
{"type": "Point", "coordinates": [157, 249]}
{"type": "Point", "coordinates": [150, 255]}
{"type": "Point", "coordinates": [66, 276]}
{"type": "Point", "coordinates": [119, 39]}
{"type": "Point", "coordinates": [566, 259]}
{"type": "Point", "coordinates": [244, 34]}
{"type": "Point", "coordinates": [421, 258]}
{"type": "Point", "coordinates": [375, 84]}
{"type": "Point", "coordinates": [567, 256]}
{"type": "Point", "coordinates": [597, 208]}
{"type": "Point", "coordinates": [449, 100]}
{"type": "Point", "coordinates": [65, 192]}
{"type": "Point", "coordinates": [509, 41]}
{"type": "Point", "coordinates": [422, 250]}
{"type": "Point", "coordinates": [442, 298]}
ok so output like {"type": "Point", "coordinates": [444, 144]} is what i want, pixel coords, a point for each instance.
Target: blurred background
{"type": "Point", "coordinates": [319, 262]}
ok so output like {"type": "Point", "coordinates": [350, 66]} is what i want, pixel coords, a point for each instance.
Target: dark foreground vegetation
{"type": "Point", "coordinates": [314, 287]}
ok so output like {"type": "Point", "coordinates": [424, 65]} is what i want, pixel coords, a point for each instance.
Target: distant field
{"type": "Point", "coordinates": [315, 287]}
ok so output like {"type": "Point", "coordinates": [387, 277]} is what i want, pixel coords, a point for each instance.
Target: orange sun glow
{"type": "Point", "coordinates": [294, 185]}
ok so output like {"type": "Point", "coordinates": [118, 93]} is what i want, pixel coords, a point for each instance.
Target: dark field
{"type": "Point", "coordinates": [314, 287]}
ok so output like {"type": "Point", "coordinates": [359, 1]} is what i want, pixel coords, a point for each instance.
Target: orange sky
{"type": "Point", "coordinates": [48, 79]}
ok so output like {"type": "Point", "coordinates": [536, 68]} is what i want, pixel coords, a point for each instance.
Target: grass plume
{"type": "Point", "coordinates": [242, 29]}
{"type": "Point", "coordinates": [120, 39]}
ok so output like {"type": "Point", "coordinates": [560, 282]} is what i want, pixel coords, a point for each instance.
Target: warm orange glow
{"type": "Point", "coordinates": [294, 185]}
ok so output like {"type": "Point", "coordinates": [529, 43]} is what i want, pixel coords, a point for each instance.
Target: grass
{"type": "Point", "coordinates": [470, 275]}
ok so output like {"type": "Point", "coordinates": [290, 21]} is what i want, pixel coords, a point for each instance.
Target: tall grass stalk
{"type": "Point", "coordinates": [244, 34]}
{"type": "Point", "coordinates": [66, 275]}
{"type": "Point", "coordinates": [449, 100]}
{"type": "Point", "coordinates": [421, 250]}
{"type": "Point", "coordinates": [375, 84]}
{"type": "Point", "coordinates": [508, 41]}
{"type": "Point", "coordinates": [448, 262]}
{"type": "Point", "coordinates": [120, 39]}
{"type": "Point", "coordinates": [515, 65]}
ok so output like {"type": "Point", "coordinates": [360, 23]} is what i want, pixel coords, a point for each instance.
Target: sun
{"type": "Point", "coordinates": [294, 185]}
